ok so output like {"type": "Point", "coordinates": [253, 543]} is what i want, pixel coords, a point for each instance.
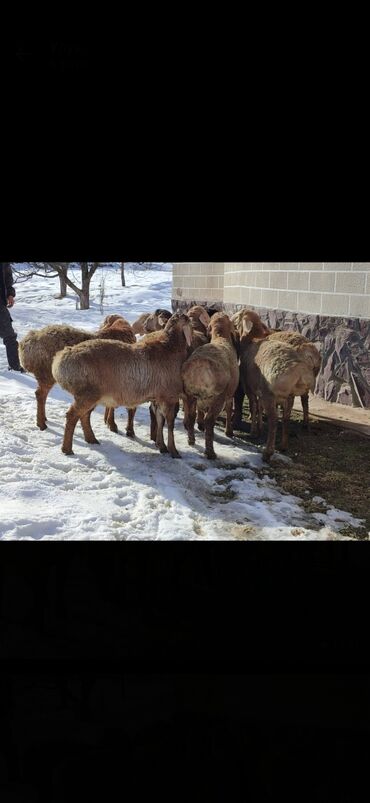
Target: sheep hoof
{"type": "Point", "coordinates": [113, 427]}
{"type": "Point", "coordinates": [200, 427]}
{"type": "Point", "coordinates": [42, 427]}
{"type": "Point", "coordinates": [175, 454]}
{"type": "Point", "coordinates": [129, 433]}
{"type": "Point", "coordinates": [211, 456]}
{"type": "Point", "coordinates": [163, 450]}
{"type": "Point", "coordinates": [92, 440]}
{"type": "Point", "coordinates": [266, 456]}
{"type": "Point", "coordinates": [68, 451]}
{"type": "Point", "coordinates": [229, 433]}
{"type": "Point", "coordinates": [191, 440]}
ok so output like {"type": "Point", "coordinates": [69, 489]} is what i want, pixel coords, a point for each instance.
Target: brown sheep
{"type": "Point", "coordinates": [116, 374]}
{"type": "Point", "coordinates": [148, 322]}
{"type": "Point", "coordinates": [258, 330]}
{"type": "Point", "coordinates": [272, 372]}
{"type": "Point", "coordinates": [211, 376]}
{"type": "Point", "coordinates": [305, 347]}
{"type": "Point", "coordinates": [38, 348]}
{"type": "Point", "coordinates": [309, 352]}
{"type": "Point", "coordinates": [199, 323]}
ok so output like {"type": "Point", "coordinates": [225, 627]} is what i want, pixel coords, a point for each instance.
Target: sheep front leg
{"type": "Point", "coordinates": [287, 409]}
{"type": "Point", "coordinates": [170, 420]}
{"type": "Point", "coordinates": [200, 420]}
{"type": "Point", "coordinates": [270, 407]}
{"type": "Point", "coordinates": [159, 438]}
{"type": "Point", "coordinates": [304, 400]}
{"type": "Point", "coordinates": [87, 429]}
{"type": "Point", "coordinates": [153, 423]}
{"type": "Point", "coordinates": [130, 432]}
{"type": "Point", "coordinates": [109, 419]}
{"type": "Point", "coordinates": [238, 407]}
{"type": "Point", "coordinates": [41, 394]}
{"type": "Point", "coordinates": [229, 417]}
{"type": "Point", "coordinates": [256, 415]}
{"type": "Point", "coordinates": [260, 415]}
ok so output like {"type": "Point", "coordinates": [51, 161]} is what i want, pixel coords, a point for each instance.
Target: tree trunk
{"type": "Point", "coordinates": [63, 283]}
{"type": "Point", "coordinates": [123, 280]}
{"type": "Point", "coordinates": [85, 291]}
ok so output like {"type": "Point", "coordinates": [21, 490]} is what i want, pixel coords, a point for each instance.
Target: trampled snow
{"type": "Point", "coordinates": [125, 489]}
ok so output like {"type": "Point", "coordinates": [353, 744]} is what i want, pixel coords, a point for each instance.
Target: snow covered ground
{"type": "Point", "coordinates": [123, 489]}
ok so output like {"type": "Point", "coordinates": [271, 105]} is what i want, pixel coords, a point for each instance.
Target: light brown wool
{"type": "Point", "coordinates": [115, 374]}
{"type": "Point", "coordinates": [38, 348]}
{"type": "Point", "coordinates": [210, 377]}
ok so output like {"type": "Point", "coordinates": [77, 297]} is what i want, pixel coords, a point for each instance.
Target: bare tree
{"type": "Point", "coordinates": [60, 269]}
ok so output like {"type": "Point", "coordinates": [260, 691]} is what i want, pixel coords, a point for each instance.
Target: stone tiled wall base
{"type": "Point", "coordinates": [344, 344]}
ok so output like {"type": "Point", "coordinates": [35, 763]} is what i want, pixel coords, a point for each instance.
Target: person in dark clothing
{"type": "Point", "coordinates": [7, 333]}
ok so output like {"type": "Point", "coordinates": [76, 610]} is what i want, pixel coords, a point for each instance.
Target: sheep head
{"type": "Point", "coordinates": [156, 320]}
{"type": "Point", "coordinates": [182, 323]}
{"type": "Point", "coordinates": [111, 319]}
{"type": "Point", "coordinates": [198, 313]}
{"type": "Point", "coordinates": [248, 323]}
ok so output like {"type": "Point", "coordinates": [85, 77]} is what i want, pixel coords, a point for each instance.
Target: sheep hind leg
{"type": "Point", "coordinates": [130, 432]}
{"type": "Point", "coordinates": [190, 406]}
{"type": "Point", "coordinates": [109, 419]}
{"type": "Point", "coordinates": [200, 420]}
{"type": "Point", "coordinates": [306, 421]}
{"type": "Point", "coordinates": [287, 409]}
{"type": "Point", "coordinates": [79, 409]}
{"type": "Point", "coordinates": [41, 394]}
{"type": "Point", "coordinates": [209, 423]}
{"type": "Point", "coordinates": [86, 427]}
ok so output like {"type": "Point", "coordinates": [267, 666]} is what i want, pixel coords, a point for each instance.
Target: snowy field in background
{"type": "Point", "coordinates": [123, 489]}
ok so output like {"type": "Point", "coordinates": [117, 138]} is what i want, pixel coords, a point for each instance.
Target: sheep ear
{"type": "Point", "coordinates": [187, 333]}
{"type": "Point", "coordinates": [247, 325]}
{"type": "Point", "coordinates": [204, 318]}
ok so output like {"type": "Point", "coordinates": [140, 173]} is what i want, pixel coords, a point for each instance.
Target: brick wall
{"type": "Point", "coordinates": [329, 302]}
{"type": "Point", "coordinates": [322, 288]}
{"type": "Point", "coordinates": [198, 281]}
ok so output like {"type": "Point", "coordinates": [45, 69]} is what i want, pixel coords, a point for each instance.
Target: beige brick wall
{"type": "Point", "coordinates": [199, 281]}
{"type": "Point", "coordinates": [323, 288]}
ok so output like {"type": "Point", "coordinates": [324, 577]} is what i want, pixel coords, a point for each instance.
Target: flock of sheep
{"type": "Point", "coordinates": [209, 362]}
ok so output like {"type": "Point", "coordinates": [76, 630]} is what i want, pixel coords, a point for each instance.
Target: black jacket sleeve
{"type": "Point", "coordinates": [8, 277]}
